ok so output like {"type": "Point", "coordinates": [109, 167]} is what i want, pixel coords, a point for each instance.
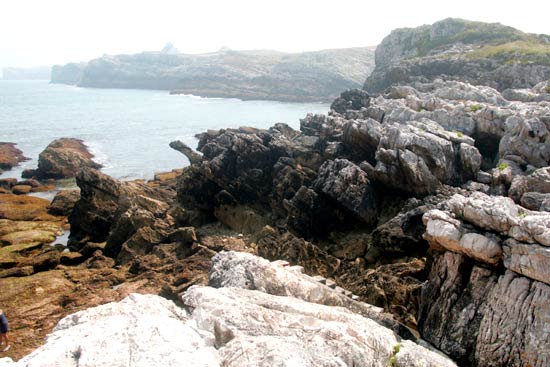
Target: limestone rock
{"type": "Point", "coordinates": [112, 335]}
{"type": "Point", "coordinates": [443, 231]}
{"type": "Point", "coordinates": [267, 324]}
{"type": "Point", "coordinates": [516, 320]}
{"type": "Point", "coordinates": [530, 260]}
{"type": "Point", "coordinates": [113, 211]}
{"type": "Point", "coordinates": [272, 75]}
{"type": "Point", "coordinates": [218, 324]}
{"type": "Point", "coordinates": [453, 326]}
{"type": "Point", "coordinates": [536, 201]}
{"type": "Point", "coordinates": [349, 186]}
{"type": "Point", "coordinates": [538, 181]}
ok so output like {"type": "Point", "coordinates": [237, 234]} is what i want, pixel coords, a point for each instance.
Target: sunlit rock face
{"type": "Point", "coordinates": [239, 324]}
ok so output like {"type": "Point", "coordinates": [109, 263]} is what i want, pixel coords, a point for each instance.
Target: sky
{"type": "Point", "coordinates": [38, 32]}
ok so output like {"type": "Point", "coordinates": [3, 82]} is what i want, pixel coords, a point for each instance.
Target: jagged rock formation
{"type": "Point", "coordinates": [62, 158]}
{"type": "Point", "coordinates": [192, 156]}
{"type": "Point", "coordinates": [344, 197]}
{"type": "Point", "coordinates": [271, 75]}
{"type": "Point", "coordinates": [240, 322]}
{"type": "Point", "coordinates": [454, 49]}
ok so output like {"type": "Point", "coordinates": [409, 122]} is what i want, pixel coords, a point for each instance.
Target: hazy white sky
{"type": "Point", "coordinates": [38, 32]}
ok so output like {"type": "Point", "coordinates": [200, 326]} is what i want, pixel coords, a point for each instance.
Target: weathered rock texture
{"type": "Point", "coordinates": [473, 309]}
{"type": "Point", "coordinates": [229, 326]}
{"type": "Point", "coordinates": [63, 158]}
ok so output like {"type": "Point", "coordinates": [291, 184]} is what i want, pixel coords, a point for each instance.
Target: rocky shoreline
{"type": "Point", "coordinates": [403, 229]}
{"type": "Point", "coordinates": [401, 201]}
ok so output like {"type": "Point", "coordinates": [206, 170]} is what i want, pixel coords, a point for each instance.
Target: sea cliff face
{"type": "Point", "coordinates": [308, 76]}
{"type": "Point", "coordinates": [67, 74]}
{"type": "Point", "coordinates": [454, 49]}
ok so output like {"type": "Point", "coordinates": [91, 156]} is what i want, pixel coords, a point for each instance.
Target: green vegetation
{"type": "Point", "coordinates": [468, 32]}
{"type": "Point", "coordinates": [522, 214]}
{"type": "Point", "coordinates": [501, 167]}
{"type": "Point", "coordinates": [547, 89]}
{"type": "Point", "coordinates": [396, 349]}
{"type": "Point", "coordinates": [507, 44]}
{"type": "Point", "coordinates": [459, 134]}
{"type": "Point", "coordinates": [475, 108]}
{"type": "Point", "coordinates": [524, 51]}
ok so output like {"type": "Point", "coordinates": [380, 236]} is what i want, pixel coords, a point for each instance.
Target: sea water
{"type": "Point", "coordinates": [128, 131]}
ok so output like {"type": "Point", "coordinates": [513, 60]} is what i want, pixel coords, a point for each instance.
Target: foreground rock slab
{"type": "Point", "coordinates": [114, 335]}
{"type": "Point", "coordinates": [228, 326]}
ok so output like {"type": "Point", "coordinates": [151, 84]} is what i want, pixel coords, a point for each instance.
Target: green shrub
{"type": "Point", "coordinates": [476, 107]}
{"type": "Point", "coordinates": [547, 89]}
{"type": "Point", "coordinates": [501, 167]}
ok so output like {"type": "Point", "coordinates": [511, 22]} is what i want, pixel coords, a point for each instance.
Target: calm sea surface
{"type": "Point", "coordinates": [127, 130]}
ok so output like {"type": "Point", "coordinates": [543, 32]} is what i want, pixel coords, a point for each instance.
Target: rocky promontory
{"type": "Point", "coordinates": [479, 53]}
{"type": "Point", "coordinates": [267, 75]}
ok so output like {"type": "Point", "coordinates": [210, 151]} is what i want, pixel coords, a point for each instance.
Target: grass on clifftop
{"type": "Point", "coordinates": [518, 51]}
{"type": "Point", "coordinates": [493, 39]}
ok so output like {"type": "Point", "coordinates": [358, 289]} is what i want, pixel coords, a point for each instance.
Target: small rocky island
{"type": "Point", "coordinates": [406, 228]}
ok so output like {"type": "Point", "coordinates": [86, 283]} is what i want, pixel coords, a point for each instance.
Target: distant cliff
{"type": "Point", "coordinates": [454, 49]}
{"type": "Point", "coordinates": [271, 75]}
{"type": "Point", "coordinates": [67, 74]}
{"type": "Point", "coordinates": [36, 73]}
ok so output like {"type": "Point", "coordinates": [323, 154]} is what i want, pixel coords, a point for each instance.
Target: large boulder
{"type": "Point", "coordinates": [63, 202]}
{"type": "Point", "coordinates": [347, 185]}
{"type": "Point", "coordinates": [63, 158]}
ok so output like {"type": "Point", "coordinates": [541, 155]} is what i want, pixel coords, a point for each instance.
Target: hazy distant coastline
{"type": "Point", "coordinates": [260, 74]}
{"type": "Point", "coordinates": [33, 73]}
